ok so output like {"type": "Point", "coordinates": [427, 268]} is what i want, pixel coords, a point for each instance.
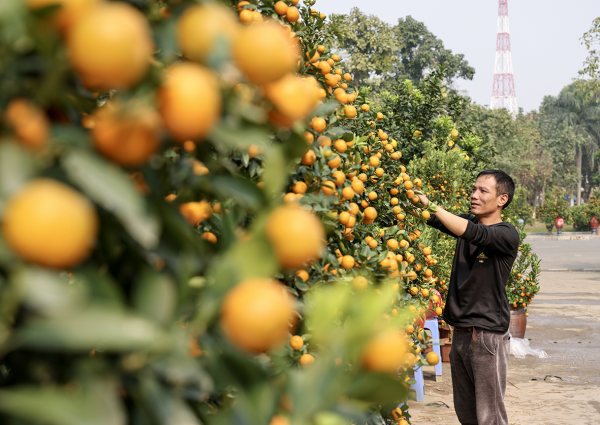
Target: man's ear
{"type": "Point", "coordinates": [503, 200]}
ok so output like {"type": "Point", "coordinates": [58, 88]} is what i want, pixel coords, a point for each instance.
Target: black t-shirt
{"type": "Point", "coordinates": [481, 267]}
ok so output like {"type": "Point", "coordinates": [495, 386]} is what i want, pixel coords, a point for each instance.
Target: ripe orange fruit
{"type": "Point", "coordinates": [385, 352]}
{"type": "Point", "coordinates": [350, 111]}
{"type": "Point", "coordinates": [241, 4]}
{"type": "Point", "coordinates": [425, 214]}
{"type": "Point", "coordinates": [360, 283]}
{"type": "Point", "coordinates": [279, 420]}
{"type": "Point", "coordinates": [339, 177]}
{"type": "Point", "coordinates": [392, 244]}
{"type": "Point", "coordinates": [296, 342]}
{"type": "Point", "coordinates": [408, 185]}
{"type": "Point", "coordinates": [195, 212]}
{"type": "Point", "coordinates": [306, 359]}
{"type": "Point", "coordinates": [264, 52]}
{"type": "Point", "coordinates": [29, 123]}
{"type": "Point", "coordinates": [328, 187]}
{"type": "Point", "coordinates": [189, 101]}
{"type": "Point", "coordinates": [353, 208]}
{"type": "Point", "coordinates": [309, 157]}
{"type": "Point", "coordinates": [281, 8]}
{"type": "Point", "coordinates": [200, 27]}
{"type": "Point", "coordinates": [432, 358]}
{"type": "Point", "coordinates": [347, 193]}
{"type": "Point", "coordinates": [292, 14]}
{"type": "Point", "coordinates": [299, 187]}
{"type": "Point", "coordinates": [70, 11]}
{"type": "Point", "coordinates": [209, 236]}
{"type": "Point", "coordinates": [256, 314]}
{"type": "Point", "coordinates": [50, 224]}
{"type": "Point", "coordinates": [347, 262]}
{"type": "Point", "coordinates": [370, 213]}
{"type": "Point", "coordinates": [302, 274]}
{"type": "Point", "coordinates": [335, 162]}
{"type": "Point", "coordinates": [331, 80]}
{"type": "Point", "coordinates": [293, 96]}
{"type": "Point", "coordinates": [246, 16]}
{"type": "Point", "coordinates": [171, 197]}
{"type": "Point", "coordinates": [372, 196]}
{"type": "Point", "coordinates": [128, 134]}
{"type": "Point", "coordinates": [111, 48]}
{"type": "Point", "coordinates": [358, 186]}
{"type": "Point", "coordinates": [340, 146]}
{"type": "Point", "coordinates": [297, 236]}
{"type": "Point", "coordinates": [374, 161]}
{"type": "Point", "coordinates": [318, 124]}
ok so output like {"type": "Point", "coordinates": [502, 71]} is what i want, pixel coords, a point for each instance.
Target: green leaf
{"type": "Point", "coordinates": [154, 296]}
{"type": "Point", "coordinates": [96, 404]}
{"type": "Point", "coordinates": [93, 328]}
{"type": "Point", "coordinates": [276, 171]}
{"type": "Point", "coordinates": [240, 138]}
{"type": "Point", "coordinates": [241, 190]}
{"type": "Point", "coordinates": [114, 191]}
{"type": "Point", "coordinates": [16, 167]}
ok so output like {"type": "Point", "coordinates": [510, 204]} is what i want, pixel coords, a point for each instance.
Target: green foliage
{"type": "Point", "coordinates": [523, 283]}
{"type": "Point", "coordinates": [519, 207]}
{"type": "Point", "coordinates": [582, 214]}
{"type": "Point", "coordinates": [367, 44]}
{"type": "Point", "coordinates": [555, 205]}
{"type": "Point", "coordinates": [591, 66]}
{"type": "Point", "coordinates": [421, 52]}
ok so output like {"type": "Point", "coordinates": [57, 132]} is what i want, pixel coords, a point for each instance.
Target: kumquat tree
{"type": "Point", "coordinates": [204, 221]}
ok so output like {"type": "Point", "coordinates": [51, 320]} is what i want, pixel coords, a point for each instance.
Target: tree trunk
{"type": "Point", "coordinates": [578, 159]}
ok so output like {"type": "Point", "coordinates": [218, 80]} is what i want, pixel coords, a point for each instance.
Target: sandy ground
{"type": "Point", "coordinates": [564, 321]}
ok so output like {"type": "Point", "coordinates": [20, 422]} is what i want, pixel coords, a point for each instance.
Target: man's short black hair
{"type": "Point", "coordinates": [504, 184]}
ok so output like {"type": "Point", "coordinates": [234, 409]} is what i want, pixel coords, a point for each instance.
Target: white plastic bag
{"type": "Point", "coordinates": [520, 348]}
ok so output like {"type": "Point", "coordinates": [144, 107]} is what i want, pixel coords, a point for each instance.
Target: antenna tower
{"type": "Point", "coordinates": [503, 91]}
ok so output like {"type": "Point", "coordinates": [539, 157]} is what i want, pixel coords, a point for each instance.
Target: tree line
{"type": "Point", "coordinates": [555, 146]}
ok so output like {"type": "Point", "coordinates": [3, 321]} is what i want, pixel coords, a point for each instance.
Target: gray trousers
{"type": "Point", "coordinates": [479, 362]}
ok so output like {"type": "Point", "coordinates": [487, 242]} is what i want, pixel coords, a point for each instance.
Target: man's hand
{"type": "Point", "coordinates": [423, 200]}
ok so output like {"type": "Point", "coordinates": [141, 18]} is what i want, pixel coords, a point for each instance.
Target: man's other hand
{"type": "Point", "coordinates": [423, 200]}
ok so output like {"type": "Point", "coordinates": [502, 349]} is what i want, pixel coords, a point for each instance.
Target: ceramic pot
{"type": "Point", "coordinates": [518, 322]}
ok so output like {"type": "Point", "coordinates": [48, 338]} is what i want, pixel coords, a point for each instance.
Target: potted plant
{"type": "Point", "coordinates": [523, 284]}
{"type": "Point", "coordinates": [555, 205]}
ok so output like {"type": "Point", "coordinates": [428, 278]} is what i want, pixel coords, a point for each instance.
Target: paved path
{"type": "Point", "coordinates": [564, 320]}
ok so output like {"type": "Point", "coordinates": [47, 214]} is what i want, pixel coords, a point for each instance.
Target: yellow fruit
{"type": "Point", "coordinates": [264, 52]}
{"type": "Point", "coordinates": [299, 187]}
{"type": "Point", "coordinates": [256, 314]}
{"type": "Point", "coordinates": [189, 101]}
{"type": "Point", "coordinates": [111, 47]}
{"type": "Point", "coordinates": [328, 187]}
{"type": "Point", "coordinates": [309, 157]}
{"type": "Point", "coordinates": [293, 96]}
{"type": "Point", "coordinates": [201, 26]}
{"type": "Point", "coordinates": [50, 224]}
{"type": "Point", "coordinates": [297, 236]}
{"type": "Point", "coordinates": [358, 186]}
{"type": "Point", "coordinates": [425, 214]}
{"type": "Point", "coordinates": [374, 161]}
{"type": "Point", "coordinates": [432, 358]}
{"type": "Point", "coordinates": [319, 124]}
{"type": "Point", "coordinates": [385, 352]}
{"type": "Point", "coordinates": [392, 244]}
{"type": "Point", "coordinates": [347, 262]}
{"type": "Point", "coordinates": [296, 342]}
{"type": "Point", "coordinates": [347, 193]}
{"type": "Point", "coordinates": [29, 123]}
{"type": "Point", "coordinates": [335, 162]}
{"type": "Point", "coordinates": [360, 283]}
{"type": "Point", "coordinates": [278, 419]}
{"type": "Point", "coordinates": [281, 8]}
{"type": "Point", "coordinates": [350, 111]}
{"type": "Point", "coordinates": [454, 133]}
{"type": "Point", "coordinates": [128, 134]}
{"type": "Point", "coordinates": [70, 11]}
{"type": "Point", "coordinates": [306, 359]}
{"type": "Point", "coordinates": [209, 236]}
{"type": "Point", "coordinates": [292, 14]}
{"type": "Point", "coordinates": [196, 212]}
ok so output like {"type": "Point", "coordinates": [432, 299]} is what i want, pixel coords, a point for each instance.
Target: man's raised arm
{"type": "Point", "coordinates": [455, 224]}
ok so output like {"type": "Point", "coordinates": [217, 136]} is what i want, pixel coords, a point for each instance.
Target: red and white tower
{"type": "Point", "coordinates": [503, 92]}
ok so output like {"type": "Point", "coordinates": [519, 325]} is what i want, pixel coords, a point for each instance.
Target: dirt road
{"type": "Point", "coordinates": [564, 321]}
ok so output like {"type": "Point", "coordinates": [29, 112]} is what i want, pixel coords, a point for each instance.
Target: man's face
{"type": "Point", "coordinates": [484, 199]}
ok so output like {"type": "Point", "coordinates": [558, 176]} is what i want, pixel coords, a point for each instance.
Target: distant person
{"type": "Point", "coordinates": [477, 306]}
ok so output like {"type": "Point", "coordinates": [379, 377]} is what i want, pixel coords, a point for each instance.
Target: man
{"type": "Point", "coordinates": [477, 305]}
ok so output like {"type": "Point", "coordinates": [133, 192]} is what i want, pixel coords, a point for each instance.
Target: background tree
{"type": "Point", "coordinates": [366, 44]}
{"type": "Point", "coordinates": [575, 108]}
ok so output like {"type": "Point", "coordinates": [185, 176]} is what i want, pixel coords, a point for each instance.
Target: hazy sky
{"type": "Point", "coordinates": [546, 49]}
